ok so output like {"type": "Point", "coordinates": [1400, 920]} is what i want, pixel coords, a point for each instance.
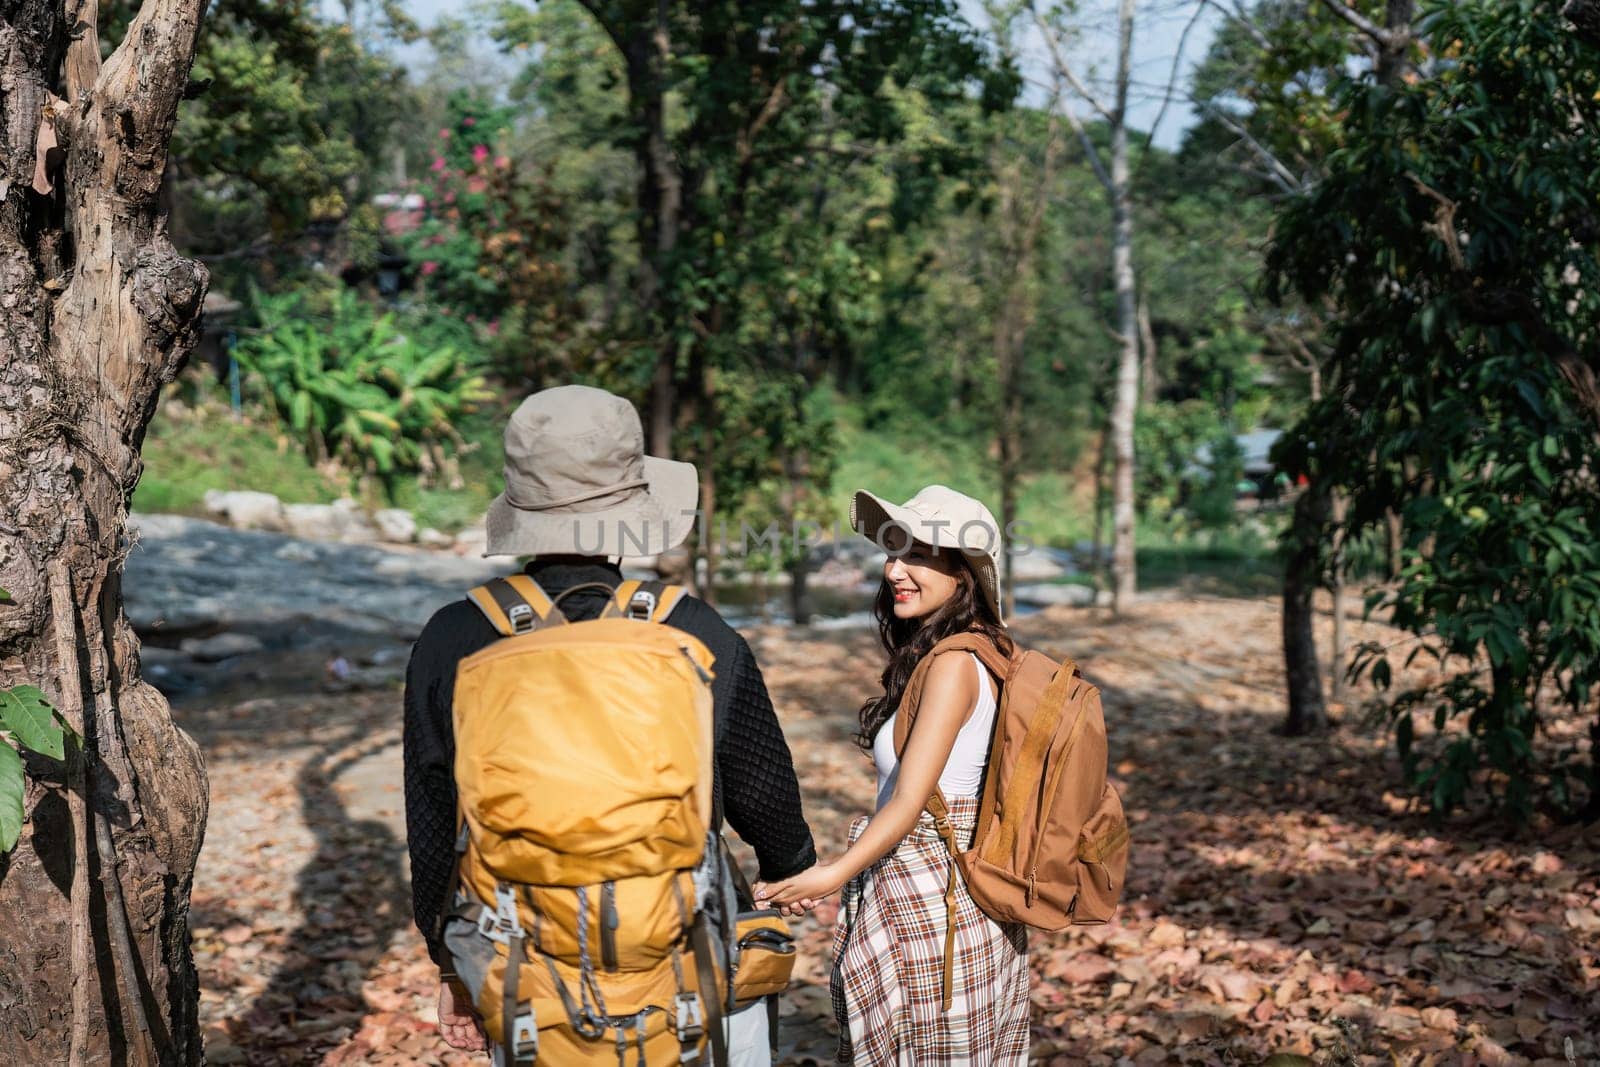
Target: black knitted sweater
{"type": "Point", "coordinates": [755, 781]}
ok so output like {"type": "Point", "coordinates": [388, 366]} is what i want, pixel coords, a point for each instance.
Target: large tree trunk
{"type": "Point", "coordinates": [100, 312]}
{"type": "Point", "coordinates": [1124, 570]}
{"type": "Point", "coordinates": [641, 33]}
{"type": "Point", "coordinates": [1307, 711]}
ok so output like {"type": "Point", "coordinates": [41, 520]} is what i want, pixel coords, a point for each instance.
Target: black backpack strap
{"type": "Point", "coordinates": [515, 605]}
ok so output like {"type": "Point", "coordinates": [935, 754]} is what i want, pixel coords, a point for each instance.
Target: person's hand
{"type": "Point", "coordinates": [803, 890]}
{"type": "Point", "coordinates": [458, 1020]}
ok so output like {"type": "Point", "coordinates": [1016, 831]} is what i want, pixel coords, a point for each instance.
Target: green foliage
{"type": "Point", "coordinates": [490, 248]}
{"type": "Point", "coordinates": [376, 392]}
{"type": "Point", "coordinates": [287, 132]}
{"type": "Point", "coordinates": [203, 446]}
{"type": "Point", "coordinates": [30, 724]}
{"type": "Point", "coordinates": [1455, 232]}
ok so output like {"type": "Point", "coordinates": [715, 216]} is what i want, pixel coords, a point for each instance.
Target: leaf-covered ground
{"type": "Point", "coordinates": [1283, 897]}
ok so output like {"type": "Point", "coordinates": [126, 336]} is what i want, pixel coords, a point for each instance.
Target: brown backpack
{"type": "Point", "coordinates": [1050, 847]}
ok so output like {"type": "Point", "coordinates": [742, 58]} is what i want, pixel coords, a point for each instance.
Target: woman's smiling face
{"type": "Point", "coordinates": [920, 577]}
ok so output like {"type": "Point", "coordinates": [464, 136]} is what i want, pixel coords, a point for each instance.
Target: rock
{"type": "Point", "coordinates": [428, 537]}
{"type": "Point", "coordinates": [842, 574]}
{"type": "Point", "coordinates": [220, 647]}
{"type": "Point", "coordinates": [472, 542]}
{"type": "Point", "coordinates": [396, 525]}
{"type": "Point", "coordinates": [1077, 596]}
{"type": "Point", "coordinates": [1040, 564]}
{"type": "Point", "coordinates": [246, 509]}
{"type": "Point", "coordinates": [357, 528]}
{"type": "Point", "coordinates": [314, 522]}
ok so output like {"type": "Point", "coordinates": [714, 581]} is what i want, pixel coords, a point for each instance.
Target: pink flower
{"type": "Point", "coordinates": [449, 198]}
{"type": "Point", "coordinates": [502, 162]}
{"type": "Point", "coordinates": [476, 185]}
{"type": "Point", "coordinates": [494, 327]}
{"type": "Point", "coordinates": [479, 153]}
{"type": "Point", "coordinates": [429, 266]}
{"type": "Point", "coordinates": [469, 121]}
{"type": "Point", "coordinates": [444, 135]}
{"type": "Point", "coordinates": [438, 163]}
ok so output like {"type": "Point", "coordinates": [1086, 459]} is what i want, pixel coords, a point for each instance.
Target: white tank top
{"type": "Point", "coordinates": [963, 771]}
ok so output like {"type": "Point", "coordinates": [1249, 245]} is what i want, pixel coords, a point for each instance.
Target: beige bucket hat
{"type": "Point", "coordinates": [941, 517]}
{"type": "Point", "coordinates": [578, 481]}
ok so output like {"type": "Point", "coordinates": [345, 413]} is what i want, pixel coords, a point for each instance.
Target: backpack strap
{"type": "Point", "coordinates": [515, 605]}
{"type": "Point", "coordinates": [646, 601]}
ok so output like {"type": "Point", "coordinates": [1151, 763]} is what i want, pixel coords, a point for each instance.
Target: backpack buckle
{"type": "Point", "coordinates": [690, 1022]}
{"type": "Point", "coordinates": [521, 617]}
{"type": "Point", "coordinates": [642, 605]}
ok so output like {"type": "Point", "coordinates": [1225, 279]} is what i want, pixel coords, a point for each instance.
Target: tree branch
{"type": "Point", "coordinates": [138, 90]}
{"type": "Point", "coordinates": [1383, 37]}
{"type": "Point", "coordinates": [1280, 174]}
{"type": "Point", "coordinates": [83, 53]}
{"type": "Point", "coordinates": [1059, 61]}
{"type": "Point", "coordinates": [1172, 78]}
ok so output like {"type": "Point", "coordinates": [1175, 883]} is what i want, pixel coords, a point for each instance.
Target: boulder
{"type": "Point", "coordinates": [247, 509]}
{"type": "Point", "coordinates": [315, 522]}
{"type": "Point", "coordinates": [396, 526]}
{"type": "Point", "coordinates": [357, 528]}
{"type": "Point", "coordinates": [220, 647]}
{"type": "Point", "coordinates": [472, 541]}
{"type": "Point", "coordinates": [428, 537]}
{"type": "Point", "coordinates": [1039, 565]}
{"type": "Point", "coordinates": [1077, 596]}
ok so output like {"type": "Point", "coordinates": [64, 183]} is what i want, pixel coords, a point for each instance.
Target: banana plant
{"type": "Point", "coordinates": [355, 387]}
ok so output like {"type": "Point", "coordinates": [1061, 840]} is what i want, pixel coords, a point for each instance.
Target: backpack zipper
{"type": "Point", "coordinates": [701, 671]}
{"type": "Point", "coordinates": [608, 926]}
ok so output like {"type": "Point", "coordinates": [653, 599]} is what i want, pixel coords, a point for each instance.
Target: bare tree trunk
{"type": "Point", "coordinates": [644, 40]}
{"type": "Point", "coordinates": [1102, 453]}
{"type": "Point", "coordinates": [1394, 543]}
{"type": "Point", "coordinates": [1307, 712]}
{"type": "Point", "coordinates": [1124, 568]}
{"type": "Point", "coordinates": [1336, 587]}
{"type": "Point", "coordinates": [1149, 373]}
{"type": "Point", "coordinates": [101, 310]}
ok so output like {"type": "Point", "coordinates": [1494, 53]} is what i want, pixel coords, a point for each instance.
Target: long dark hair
{"type": "Point", "coordinates": [908, 641]}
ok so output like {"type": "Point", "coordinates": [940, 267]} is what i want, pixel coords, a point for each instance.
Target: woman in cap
{"type": "Point", "coordinates": [902, 894]}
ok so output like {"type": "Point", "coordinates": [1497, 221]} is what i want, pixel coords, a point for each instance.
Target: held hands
{"type": "Point", "coordinates": [797, 895]}
{"type": "Point", "coordinates": [459, 1024]}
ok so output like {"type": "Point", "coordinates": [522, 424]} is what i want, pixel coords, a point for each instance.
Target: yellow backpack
{"type": "Point", "coordinates": [591, 914]}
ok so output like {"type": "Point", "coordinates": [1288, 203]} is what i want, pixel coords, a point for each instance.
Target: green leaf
{"type": "Point", "coordinates": [5, 595]}
{"type": "Point", "coordinates": [25, 712]}
{"type": "Point", "coordinates": [11, 785]}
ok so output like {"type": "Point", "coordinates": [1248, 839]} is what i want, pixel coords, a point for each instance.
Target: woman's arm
{"type": "Point", "coordinates": [948, 698]}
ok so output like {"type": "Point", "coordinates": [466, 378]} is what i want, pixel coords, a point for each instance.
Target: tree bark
{"type": "Point", "coordinates": [1307, 712]}
{"type": "Point", "coordinates": [100, 312]}
{"type": "Point", "coordinates": [642, 35]}
{"type": "Point", "coordinates": [1124, 569]}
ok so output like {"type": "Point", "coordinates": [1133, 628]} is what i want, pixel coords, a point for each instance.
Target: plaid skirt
{"type": "Point", "coordinates": [888, 962]}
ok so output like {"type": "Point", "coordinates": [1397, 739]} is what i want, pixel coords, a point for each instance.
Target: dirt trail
{"type": "Point", "coordinates": [1281, 898]}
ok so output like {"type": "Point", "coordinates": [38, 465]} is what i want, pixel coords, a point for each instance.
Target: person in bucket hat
{"type": "Point", "coordinates": [901, 899]}
{"type": "Point", "coordinates": [580, 493]}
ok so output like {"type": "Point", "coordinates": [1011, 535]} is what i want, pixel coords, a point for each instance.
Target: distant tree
{"type": "Point", "coordinates": [1455, 233]}
{"type": "Point", "coordinates": [1114, 169]}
